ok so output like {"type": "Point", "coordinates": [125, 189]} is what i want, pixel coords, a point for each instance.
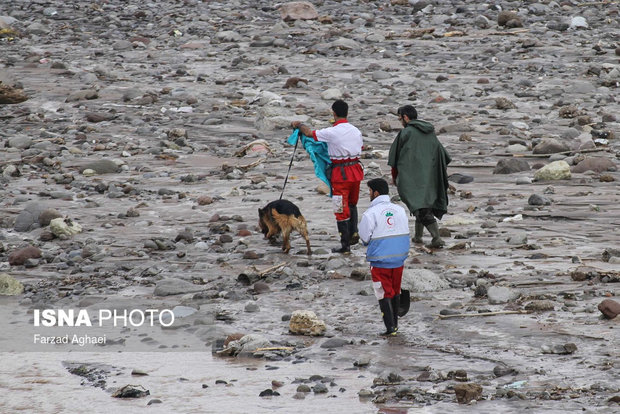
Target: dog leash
{"type": "Point", "coordinates": [290, 164]}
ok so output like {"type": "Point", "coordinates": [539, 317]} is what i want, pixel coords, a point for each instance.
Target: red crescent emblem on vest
{"type": "Point", "coordinates": [389, 221]}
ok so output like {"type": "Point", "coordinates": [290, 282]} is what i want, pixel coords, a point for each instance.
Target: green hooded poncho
{"type": "Point", "coordinates": [421, 161]}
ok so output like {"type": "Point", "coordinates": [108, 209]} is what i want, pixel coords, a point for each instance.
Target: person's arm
{"type": "Point", "coordinates": [304, 129]}
{"type": "Point", "coordinates": [365, 229]}
{"type": "Point", "coordinates": [393, 157]}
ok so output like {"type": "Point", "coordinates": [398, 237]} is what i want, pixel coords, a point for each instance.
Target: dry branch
{"type": "Point", "coordinates": [464, 315]}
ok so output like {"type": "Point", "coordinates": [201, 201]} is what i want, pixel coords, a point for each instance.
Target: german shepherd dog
{"type": "Point", "coordinates": [282, 217]}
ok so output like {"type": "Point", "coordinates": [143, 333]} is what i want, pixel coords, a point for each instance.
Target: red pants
{"type": "Point", "coordinates": [386, 282]}
{"type": "Point", "coordinates": [349, 193]}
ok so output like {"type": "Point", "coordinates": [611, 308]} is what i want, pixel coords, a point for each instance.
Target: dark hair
{"type": "Point", "coordinates": [340, 108]}
{"type": "Point", "coordinates": [379, 185]}
{"type": "Point", "coordinates": [408, 110]}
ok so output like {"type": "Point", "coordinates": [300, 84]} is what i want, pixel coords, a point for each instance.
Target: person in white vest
{"type": "Point", "coordinates": [384, 228]}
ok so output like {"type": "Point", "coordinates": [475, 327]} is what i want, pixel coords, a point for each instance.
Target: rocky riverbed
{"type": "Point", "coordinates": [138, 141]}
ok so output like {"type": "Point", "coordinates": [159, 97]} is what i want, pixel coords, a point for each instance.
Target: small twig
{"type": "Point", "coordinates": [269, 269]}
{"type": "Point", "coordinates": [514, 32]}
{"type": "Point", "coordinates": [275, 348]}
{"type": "Point", "coordinates": [597, 3]}
{"type": "Point", "coordinates": [248, 166]}
{"type": "Point", "coordinates": [585, 151]}
{"type": "Point", "coordinates": [463, 315]}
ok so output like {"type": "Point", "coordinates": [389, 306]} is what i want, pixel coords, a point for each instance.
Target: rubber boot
{"type": "Point", "coordinates": [355, 237]}
{"type": "Point", "coordinates": [419, 232]}
{"type": "Point", "coordinates": [343, 229]}
{"type": "Point", "coordinates": [434, 230]}
{"type": "Point", "coordinates": [385, 305]}
{"type": "Point", "coordinates": [395, 306]}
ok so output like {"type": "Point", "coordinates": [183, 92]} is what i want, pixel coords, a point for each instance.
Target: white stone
{"type": "Point", "coordinates": [578, 22]}
{"type": "Point", "coordinates": [331, 94]}
{"type": "Point", "coordinates": [63, 228]}
{"type": "Point", "coordinates": [557, 170]}
{"type": "Point", "coordinates": [501, 294]}
{"type": "Point", "coordinates": [305, 322]}
{"type": "Point", "coordinates": [422, 280]}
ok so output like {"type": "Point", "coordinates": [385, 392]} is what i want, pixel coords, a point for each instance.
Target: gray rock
{"type": "Point", "coordinates": [331, 94]}
{"type": "Point", "coordinates": [173, 286]}
{"type": "Point", "coordinates": [502, 370]}
{"type": "Point", "coordinates": [335, 343]}
{"type": "Point", "coordinates": [578, 22]}
{"type": "Point", "coordinates": [518, 239]}
{"type": "Point", "coordinates": [510, 166]}
{"type": "Point", "coordinates": [20, 142]}
{"type": "Point", "coordinates": [558, 26]}
{"type": "Point", "coordinates": [251, 307]}
{"type": "Point", "coordinates": [248, 344]}
{"type": "Point", "coordinates": [422, 280]}
{"type": "Point", "coordinates": [523, 180]}
{"type": "Point", "coordinates": [101, 166]}
{"type": "Point", "coordinates": [501, 294]}
{"type": "Point", "coordinates": [28, 218]}
{"type": "Point", "coordinates": [540, 305]}
{"type": "Point", "coordinates": [320, 388]}
{"type": "Point", "coordinates": [482, 22]}
{"type": "Point", "coordinates": [47, 216]}
{"type": "Point", "coordinates": [298, 10]}
{"type": "Point", "coordinates": [550, 146]}
{"type": "Point", "coordinates": [516, 149]}
{"type": "Point", "coordinates": [538, 200]}
{"type": "Point", "coordinates": [82, 95]}
{"type": "Point", "coordinates": [460, 178]}
{"type": "Point", "coordinates": [596, 164]}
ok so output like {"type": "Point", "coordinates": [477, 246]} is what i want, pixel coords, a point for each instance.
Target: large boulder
{"type": "Point", "coordinates": [557, 170]}
{"type": "Point", "coordinates": [9, 286]}
{"type": "Point", "coordinates": [305, 322]}
{"type": "Point", "coordinates": [19, 256]}
{"type": "Point", "coordinates": [28, 218]}
{"type": "Point", "coordinates": [596, 164]}
{"type": "Point", "coordinates": [422, 280]}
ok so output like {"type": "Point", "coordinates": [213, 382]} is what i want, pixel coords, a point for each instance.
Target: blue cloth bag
{"type": "Point", "coordinates": [318, 154]}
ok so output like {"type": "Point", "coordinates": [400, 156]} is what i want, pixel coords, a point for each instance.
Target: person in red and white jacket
{"type": "Point", "coordinates": [344, 146]}
{"type": "Point", "coordinates": [385, 230]}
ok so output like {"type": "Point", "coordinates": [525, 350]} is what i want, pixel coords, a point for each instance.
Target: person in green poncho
{"type": "Point", "coordinates": [419, 170]}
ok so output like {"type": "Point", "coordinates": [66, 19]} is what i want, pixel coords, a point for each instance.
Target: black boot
{"type": "Point", "coordinates": [434, 230]}
{"type": "Point", "coordinates": [343, 228]}
{"type": "Point", "coordinates": [395, 306]}
{"type": "Point", "coordinates": [419, 232]}
{"type": "Point", "coordinates": [385, 305]}
{"type": "Point", "coordinates": [355, 237]}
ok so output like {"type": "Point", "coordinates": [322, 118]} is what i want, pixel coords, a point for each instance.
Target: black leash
{"type": "Point", "coordinates": [290, 164]}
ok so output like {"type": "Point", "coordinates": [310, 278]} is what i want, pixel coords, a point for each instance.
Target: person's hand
{"type": "Point", "coordinates": [295, 124]}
